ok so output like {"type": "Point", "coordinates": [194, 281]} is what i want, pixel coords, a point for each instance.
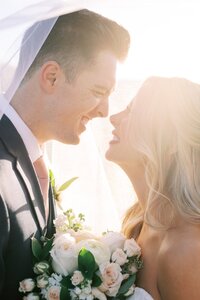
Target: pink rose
{"type": "Point", "coordinates": [112, 278]}
{"type": "Point", "coordinates": [26, 285]}
{"type": "Point", "coordinates": [119, 257]}
{"type": "Point", "coordinates": [53, 293]}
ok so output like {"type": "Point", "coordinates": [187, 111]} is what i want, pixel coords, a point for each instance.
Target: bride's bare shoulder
{"type": "Point", "coordinates": [179, 264]}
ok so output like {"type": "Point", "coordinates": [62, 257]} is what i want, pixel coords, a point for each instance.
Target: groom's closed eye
{"type": "Point", "coordinates": [101, 91]}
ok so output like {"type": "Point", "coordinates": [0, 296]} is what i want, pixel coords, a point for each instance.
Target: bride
{"type": "Point", "coordinates": [156, 141]}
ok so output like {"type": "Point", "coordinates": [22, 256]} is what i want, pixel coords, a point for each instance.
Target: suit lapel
{"type": "Point", "coordinates": [26, 180]}
{"type": "Point", "coordinates": [52, 211]}
{"type": "Point", "coordinates": [16, 148]}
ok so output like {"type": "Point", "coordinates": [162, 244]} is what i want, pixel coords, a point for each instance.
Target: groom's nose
{"type": "Point", "coordinates": [115, 119]}
{"type": "Point", "coordinates": [101, 111]}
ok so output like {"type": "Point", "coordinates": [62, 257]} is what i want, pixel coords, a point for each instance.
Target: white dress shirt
{"type": "Point", "coordinates": [33, 148]}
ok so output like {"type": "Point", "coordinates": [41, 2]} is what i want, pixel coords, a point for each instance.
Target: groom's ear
{"type": "Point", "coordinates": [50, 74]}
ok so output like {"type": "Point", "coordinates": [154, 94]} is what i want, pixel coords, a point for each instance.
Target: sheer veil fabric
{"type": "Point", "coordinates": [92, 193]}
{"type": "Point", "coordinates": [12, 29]}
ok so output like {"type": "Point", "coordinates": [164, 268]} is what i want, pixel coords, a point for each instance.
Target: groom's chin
{"type": "Point", "coordinates": [72, 139]}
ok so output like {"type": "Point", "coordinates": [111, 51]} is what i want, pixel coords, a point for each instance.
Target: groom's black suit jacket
{"type": "Point", "coordinates": [22, 212]}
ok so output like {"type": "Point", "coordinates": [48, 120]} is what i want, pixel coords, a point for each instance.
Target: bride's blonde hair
{"type": "Point", "coordinates": [165, 129]}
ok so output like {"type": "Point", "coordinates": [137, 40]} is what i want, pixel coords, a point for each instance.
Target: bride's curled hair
{"type": "Point", "coordinates": [166, 132]}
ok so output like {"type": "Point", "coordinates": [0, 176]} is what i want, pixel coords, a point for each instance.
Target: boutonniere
{"type": "Point", "coordinates": [57, 190]}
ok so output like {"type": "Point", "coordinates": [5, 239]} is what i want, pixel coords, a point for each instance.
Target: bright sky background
{"type": "Point", "coordinates": [165, 38]}
{"type": "Point", "coordinates": [165, 34]}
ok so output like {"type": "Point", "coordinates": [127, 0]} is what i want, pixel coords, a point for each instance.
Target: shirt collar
{"type": "Point", "coordinates": [33, 148]}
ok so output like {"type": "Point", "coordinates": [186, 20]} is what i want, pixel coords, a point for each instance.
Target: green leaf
{"type": "Point", "coordinates": [65, 286]}
{"type": "Point", "coordinates": [64, 293]}
{"type": "Point", "coordinates": [126, 285]}
{"type": "Point", "coordinates": [52, 178]}
{"type": "Point", "coordinates": [36, 248]}
{"type": "Point", "coordinates": [86, 263]}
{"type": "Point", "coordinates": [65, 185]}
{"type": "Point", "coordinates": [66, 282]}
{"type": "Point", "coordinates": [47, 247]}
{"type": "Point", "coordinates": [96, 280]}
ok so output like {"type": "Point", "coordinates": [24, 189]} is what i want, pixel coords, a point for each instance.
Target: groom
{"type": "Point", "coordinates": [67, 85]}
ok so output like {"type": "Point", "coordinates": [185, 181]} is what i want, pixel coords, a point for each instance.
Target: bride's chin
{"type": "Point", "coordinates": [109, 155]}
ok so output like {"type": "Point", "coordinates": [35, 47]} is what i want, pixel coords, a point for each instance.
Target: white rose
{"type": "Point", "coordinates": [98, 294]}
{"type": "Point", "coordinates": [119, 257]}
{"type": "Point", "coordinates": [112, 278]}
{"type": "Point", "coordinates": [113, 240]}
{"type": "Point", "coordinates": [132, 248]}
{"type": "Point", "coordinates": [26, 285]}
{"type": "Point", "coordinates": [53, 293]}
{"type": "Point", "coordinates": [83, 235]}
{"type": "Point", "coordinates": [100, 250]}
{"type": "Point", "coordinates": [64, 255]}
{"type": "Point", "coordinates": [77, 278]}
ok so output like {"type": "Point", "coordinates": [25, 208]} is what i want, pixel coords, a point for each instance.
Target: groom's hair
{"type": "Point", "coordinates": [75, 41]}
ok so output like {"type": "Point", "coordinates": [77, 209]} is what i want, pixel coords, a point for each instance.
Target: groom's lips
{"type": "Point", "coordinates": [84, 120]}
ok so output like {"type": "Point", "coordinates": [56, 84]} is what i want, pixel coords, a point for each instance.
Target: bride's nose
{"type": "Point", "coordinates": [115, 119]}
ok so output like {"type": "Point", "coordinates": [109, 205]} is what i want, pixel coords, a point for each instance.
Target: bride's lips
{"type": "Point", "coordinates": [115, 138]}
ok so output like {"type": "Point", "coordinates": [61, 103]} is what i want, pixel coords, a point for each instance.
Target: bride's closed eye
{"type": "Point", "coordinates": [128, 108]}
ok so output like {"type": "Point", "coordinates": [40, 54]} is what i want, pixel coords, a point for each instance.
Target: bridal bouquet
{"type": "Point", "coordinates": [76, 264]}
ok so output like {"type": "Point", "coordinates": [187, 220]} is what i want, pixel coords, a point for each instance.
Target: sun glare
{"type": "Point", "coordinates": [164, 35]}
{"type": "Point", "coordinates": [164, 40]}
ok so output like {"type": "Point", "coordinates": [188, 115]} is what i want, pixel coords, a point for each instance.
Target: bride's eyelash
{"type": "Point", "coordinates": [128, 108]}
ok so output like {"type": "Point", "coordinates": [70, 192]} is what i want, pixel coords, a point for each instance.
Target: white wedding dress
{"type": "Point", "coordinates": [140, 294]}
